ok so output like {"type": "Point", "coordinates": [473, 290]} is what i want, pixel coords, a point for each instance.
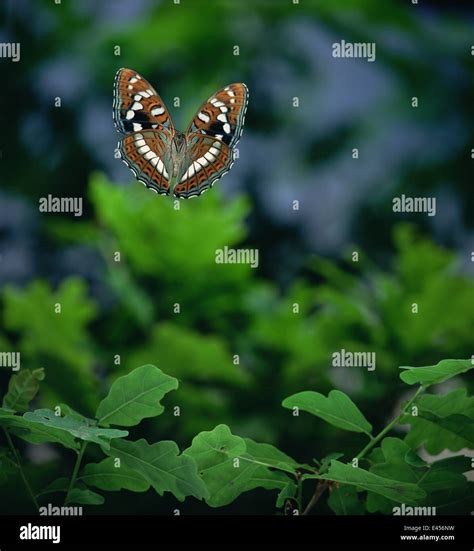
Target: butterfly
{"type": "Point", "coordinates": [164, 159]}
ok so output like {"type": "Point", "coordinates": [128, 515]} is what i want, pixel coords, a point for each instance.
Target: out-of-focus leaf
{"type": "Point", "coordinates": [187, 354]}
{"type": "Point", "coordinates": [53, 334]}
{"type": "Point", "coordinates": [22, 388]}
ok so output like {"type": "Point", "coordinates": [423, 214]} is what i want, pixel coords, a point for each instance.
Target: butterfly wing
{"type": "Point", "coordinates": [222, 116]}
{"type": "Point", "coordinates": [146, 153]}
{"type": "Point", "coordinates": [212, 136]}
{"type": "Point", "coordinates": [209, 159]}
{"type": "Point", "coordinates": [137, 106]}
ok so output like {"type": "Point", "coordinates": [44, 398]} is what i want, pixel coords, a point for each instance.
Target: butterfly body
{"type": "Point", "coordinates": [164, 159]}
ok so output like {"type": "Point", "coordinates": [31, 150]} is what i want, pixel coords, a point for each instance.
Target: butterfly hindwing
{"type": "Point", "coordinates": [223, 114]}
{"type": "Point", "coordinates": [209, 159]}
{"type": "Point", "coordinates": [137, 106]}
{"type": "Point", "coordinates": [146, 154]}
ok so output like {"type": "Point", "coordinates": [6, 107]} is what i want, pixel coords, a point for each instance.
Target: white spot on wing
{"type": "Point", "coordinates": [130, 114]}
{"type": "Point", "coordinates": [157, 111]}
{"type": "Point", "coordinates": [202, 116]}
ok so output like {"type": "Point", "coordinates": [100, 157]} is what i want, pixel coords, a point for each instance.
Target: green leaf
{"type": "Point", "coordinates": [75, 427]}
{"type": "Point", "coordinates": [448, 489]}
{"type": "Point", "coordinates": [35, 433]}
{"type": "Point", "coordinates": [393, 465]}
{"type": "Point", "coordinates": [66, 410]}
{"type": "Point", "coordinates": [434, 374]}
{"type": "Point", "coordinates": [230, 465]}
{"type": "Point", "coordinates": [288, 492]}
{"type": "Point", "coordinates": [162, 466]}
{"type": "Point", "coordinates": [212, 447]}
{"type": "Point", "coordinates": [270, 456]}
{"type": "Point", "coordinates": [60, 485]}
{"type": "Point", "coordinates": [395, 490]}
{"type": "Point", "coordinates": [337, 409]}
{"type": "Point", "coordinates": [389, 462]}
{"type": "Point", "coordinates": [84, 497]}
{"type": "Point", "coordinates": [429, 430]}
{"type": "Point", "coordinates": [454, 428]}
{"type": "Point", "coordinates": [326, 461]}
{"type": "Point", "coordinates": [441, 480]}
{"type": "Point", "coordinates": [414, 459]}
{"type": "Point", "coordinates": [22, 388]}
{"type": "Point", "coordinates": [344, 501]}
{"type": "Point", "coordinates": [135, 397]}
{"type": "Point", "coordinates": [106, 476]}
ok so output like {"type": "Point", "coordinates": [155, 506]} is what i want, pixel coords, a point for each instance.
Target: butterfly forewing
{"type": "Point", "coordinates": [137, 106]}
{"type": "Point", "coordinates": [146, 153]}
{"type": "Point", "coordinates": [223, 114]}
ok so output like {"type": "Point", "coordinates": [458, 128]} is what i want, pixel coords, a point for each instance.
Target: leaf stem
{"type": "Point", "coordinates": [20, 468]}
{"type": "Point", "coordinates": [75, 471]}
{"type": "Point", "coordinates": [389, 427]}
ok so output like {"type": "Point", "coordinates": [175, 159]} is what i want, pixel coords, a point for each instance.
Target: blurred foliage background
{"type": "Point", "coordinates": [126, 309]}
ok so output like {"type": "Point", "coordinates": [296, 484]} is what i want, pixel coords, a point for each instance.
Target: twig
{"type": "Point", "coordinates": [20, 468]}
{"type": "Point", "coordinates": [320, 489]}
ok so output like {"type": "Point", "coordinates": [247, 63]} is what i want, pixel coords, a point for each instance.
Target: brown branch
{"type": "Point", "coordinates": [320, 489]}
